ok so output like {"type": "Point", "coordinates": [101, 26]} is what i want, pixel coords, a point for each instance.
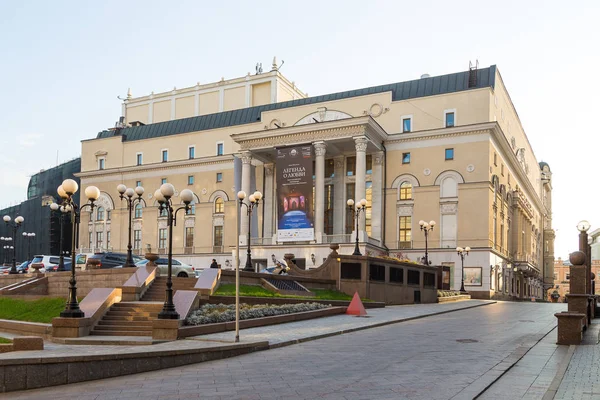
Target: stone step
{"type": "Point", "coordinates": [137, 309]}
{"type": "Point", "coordinates": [127, 318]}
{"type": "Point", "coordinates": [121, 333]}
{"type": "Point", "coordinates": [117, 313]}
{"type": "Point", "coordinates": [124, 322]}
{"type": "Point", "coordinates": [122, 328]}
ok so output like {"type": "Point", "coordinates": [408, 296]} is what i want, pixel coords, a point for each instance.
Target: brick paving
{"type": "Point", "coordinates": [448, 356]}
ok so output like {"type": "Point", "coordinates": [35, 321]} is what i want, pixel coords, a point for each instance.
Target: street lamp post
{"type": "Point", "coordinates": [163, 196]}
{"type": "Point", "coordinates": [361, 206]}
{"type": "Point", "coordinates": [66, 191]}
{"type": "Point", "coordinates": [462, 253]}
{"type": "Point", "coordinates": [29, 236]}
{"type": "Point", "coordinates": [14, 225]}
{"type": "Point", "coordinates": [253, 199]}
{"type": "Point", "coordinates": [6, 241]}
{"type": "Point", "coordinates": [426, 228]}
{"type": "Point", "coordinates": [63, 211]}
{"type": "Point", "coordinates": [127, 194]}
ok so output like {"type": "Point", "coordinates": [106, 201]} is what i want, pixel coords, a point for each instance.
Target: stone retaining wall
{"type": "Point", "coordinates": [283, 300]}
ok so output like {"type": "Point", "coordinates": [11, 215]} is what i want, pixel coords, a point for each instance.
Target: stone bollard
{"type": "Point", "coordinates": [36, 268]}
{"type": "Point", "coordinates": [288, 257]}
{"type": "Point", "coordinates": [570, 327]}
{"type": "Point", "coordinates": [334, 249]}
{"type": "Point", "coordinates": [578, 299]}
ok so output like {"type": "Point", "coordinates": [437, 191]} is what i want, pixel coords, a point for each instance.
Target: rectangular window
{"type": "Point", "coordinates": [108, 214]}
{"type": "Point", "coordinates": [190, 179]}
{"type": "Point", "coordinates": [350, 166]}
{"type": "Point", "coordinates": [350, 188]}
{"type": "Point", "coordinates": [138, 158]}
{"type": "Point", "coordinates": [165, 155]}
{"type": "Point", "coordinates": [138, 183]}
{"type": "Point", "coordinates": [406, 125]}
{"type": "Point", "coordinates": [90, 240]}
{"type": "Point", "coordinates": [218, 236]}
{"type": "Point", "coordinates": [219, 177]}
{"type": "Point", "coordinates": [329, 168]}
{"type": "Point", "coordinates": [351, 270]}
{"type": "Point", "coordinates": [101, 163]}
{"type": "Point", "coordinates": [428, 279]}
{"type": "Point", "coordinates": [138, 211]}
{"type": "Point", "coordinates": [502, 169]}
{"type": "Point", "coordinates": [405, 158]}
{"type": "Point", "coordinates": [189, 236]}
{"type": "Point", "coordinates": [369, 164]}
{"type": "Point", "coordinates": [163, 181]}
{"type": "Point", "coordinates": [219, 149]}
{"type": "Point", "coordinates": [405, 232]}
{"type": "Point", "coordinates": [449, 118]}
{"type": "Point", "coordinates": [449, 154]}
{"type": "Point", "coordinates": [108, 239]}
{"type": "Point", "coordinates": [99, 239]}
{"type": "Point", "coordinates": [137, 239]}
{"type": "Point", "coordinates": [377, 272]}
{"type": "Point", "coordinates": [396, 275]}
{"type": "Point", "coordinates": [368, 213]}
{"type": "Point", "coordinates": [414, 277]}
{"type": "Point", "coordinates": [509, 180]}
{"type": "Point", "coordinates": [162, 238]}
{"type": "Point", "coordinates": [191, 152]}
{"type": "Point", "coordinates": [495, 159]}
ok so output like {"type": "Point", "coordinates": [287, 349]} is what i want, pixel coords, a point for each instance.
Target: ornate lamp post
{"type": "Point", "coordinates": [66, 191]}
{"type": "Point", "coordinates": [253, 199]}
{"type": "Point", "coordinates": [127, 194]}
{"type": "Point", "coordinates": [29, 236]}
{"type": "Point", "coordinates": [63, 211]}
{"type": "Point", "coordinates": [361, 206]}
{"type": "Point", "coordinates": [426, 228]}
{"type": "Point", "coordinates": [462, 253]}
{"type": "Point", "coordinates": [163, 196]}
{"type": "Point", "coordinates": [14, 225]}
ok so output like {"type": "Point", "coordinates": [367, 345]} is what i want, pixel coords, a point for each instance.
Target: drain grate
{"type": "Point", "coordinates": [467, 341]}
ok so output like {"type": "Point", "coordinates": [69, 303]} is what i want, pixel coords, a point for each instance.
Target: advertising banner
{"type": "Point", "coordinates": [295, 194]}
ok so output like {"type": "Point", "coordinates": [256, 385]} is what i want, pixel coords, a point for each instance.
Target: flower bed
{"type": "Point", "coordinates": [215, 313]}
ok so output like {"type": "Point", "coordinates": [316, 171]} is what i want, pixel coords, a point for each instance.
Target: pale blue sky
{"type": "Point", "coordinates": [63, 64]}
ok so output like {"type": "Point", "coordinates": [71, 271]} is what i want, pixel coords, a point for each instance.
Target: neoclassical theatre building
{"type": "Point", "coordinates": [448, 148]}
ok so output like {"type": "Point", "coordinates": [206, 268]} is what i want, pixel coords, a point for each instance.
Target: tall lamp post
{"type": "Point", "coordinates": [6, 241]}
{"type": "Point", "coordinates": [29, 236]}
{"type": "Point", "coordinates": [14, 225]}
{"type": "Point", "coordinates": [361, 206]}
{"type": "Point", "coordinates": [63, 211]}
{"type": "Point", "coordinates": [127, 194]}
{"type": "Point", "coordinates": [253, 201]}
{"type": "Point", "coordinates": [66, 191]}
{"type": "Point", "coordinates": [462, 253]}
{"type": "Point", "coordinates": [163, 196]}
{"type": "Point", "coordinates": [426, 228]}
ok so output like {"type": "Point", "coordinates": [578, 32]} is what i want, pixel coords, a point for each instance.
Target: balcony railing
{"type": "Point", "coordinates": [404, 245]}
{"type": "Point", "coordinates": [337, 238]}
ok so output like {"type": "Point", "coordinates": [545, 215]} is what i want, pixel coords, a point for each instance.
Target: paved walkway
{"type": "Point", "coordinates": [454, 355]}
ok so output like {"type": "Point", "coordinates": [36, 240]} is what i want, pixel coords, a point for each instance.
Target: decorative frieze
{"type": "Point", "coordinates": [449, 208]}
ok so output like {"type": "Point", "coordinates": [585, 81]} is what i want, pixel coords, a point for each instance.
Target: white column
{"type": "Point", "coordinates": [268, 204]}
{"type": "Point", "coordinates": [361, 167]}
{"type": "Point", "coordinates": [320, 150]}
{"type": "Point", "coordinates": [172, 108]}
{"type": "Point", "coordinates": [246, 187]}
{"type": "Point", "coordinates": [339, 194]}
{"type": "Point", "coordinates": [150, 114]}
{"type": "Point", "coordinates": [377, 190]}
{"type": "Point", "coordinates": [197, 104]}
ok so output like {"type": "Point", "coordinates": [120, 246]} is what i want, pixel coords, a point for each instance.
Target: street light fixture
{"type": "Point", "coordinates": [14, 225]}
{"type": "Point", "coordinates": [163, 196]}
{"type": "Point", "coordinates": [127, 194]}
{"type": "Point", "coordinates": [361, 206]}
{"type": "Point", "coordinates": [462, 253]}
{"type": "Point", "coordinates": [253, 201]}
{"type": "Point", "coordinates": [426, 228]}
{"type": "Point", "coordinates": [29, 236]}
{"type": "Point", "coordinates": [66, 191]}
{"type": "Point", "coordinates": [62, 213]}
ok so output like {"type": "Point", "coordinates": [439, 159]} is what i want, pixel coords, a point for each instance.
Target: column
{"type": "Point", "coordinates": [361, 167]}
{"type": "Point", "coordinates": [320, 149]}
{"type": "Point", "coordinates": [339, 194]}
{"type": "Point", "coordinates": [246, 174]}
{"type": "Point", "coordinates": [268, 204]}
{"type": "Point", "coordinates": [378, 187]}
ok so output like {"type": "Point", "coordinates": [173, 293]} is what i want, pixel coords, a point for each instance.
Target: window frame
{"type": "Point", "coordinates": [191, 152]}
{"type": "Point", "coordinates": [101, 163]}
{"type": "Point", "coordinates": [137, 207]}
{"type": "Point", "coordinates": [219, 177]}
{"type": "Point", "coordinates": [139, 158]}
{"type": "Point", "coordinates": [454, 122]}
{"type": "Point", "coordinates": [221, 204]}
{"type": "Point", "coordinates": [404, 155]}
{"type": "Point", "coordinates": [446, 158]}
{"type": "Point", "coordinates": [191, 180]}
{"type": "Point", "coordinates": [163, 181]}
{"type": "Point", "coordinates": [162, 155]}
{"type": "Point", "coordinates": [222, 144]}
{"type": "Point", "coordinates": [402, 119]}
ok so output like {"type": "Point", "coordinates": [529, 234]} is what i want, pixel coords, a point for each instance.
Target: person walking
{"type": "Point", "coordinates": [214, 264]}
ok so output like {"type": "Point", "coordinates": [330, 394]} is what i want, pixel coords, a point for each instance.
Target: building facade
{"type": "Point", "coordinates": [448, 148]}
{"type": "Point", "coordinates": [562, 278]}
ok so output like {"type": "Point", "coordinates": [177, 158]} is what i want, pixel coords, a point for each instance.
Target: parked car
{"type": "Point", "coordinates": [68, 264]}
{"type": "Point", "coordinates": [48, 262]}
{"type": "Point", "coordinates": [21, 268]}
{"type": "Point", "coordinates": [112, 260]}
{"type": "Point", "coordinates": [178, 268]}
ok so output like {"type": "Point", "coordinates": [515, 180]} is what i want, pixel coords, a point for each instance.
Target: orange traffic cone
{"type": "Point", "coordinates": [356, 307]}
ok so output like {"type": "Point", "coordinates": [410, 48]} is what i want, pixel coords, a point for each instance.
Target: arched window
{"type": "Point", "coordinates": [138, 211]}
{"type": "Point", "coordinates": [219, 205]}
{"type": "Point", "coordinates": [100, 214]}
{"type": "Point", "coordinates": [448, 187]}
{"type": "Point", "coordinates": [405, 191]}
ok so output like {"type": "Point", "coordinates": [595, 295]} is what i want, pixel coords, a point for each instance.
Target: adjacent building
{"type": "Point", "coordinates": [562, 278]}
{"type": "Point", "coordinates": [448, 148]}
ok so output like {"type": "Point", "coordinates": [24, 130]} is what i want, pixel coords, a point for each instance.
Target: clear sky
{"type": "Point", "coordinates": [63, 64]}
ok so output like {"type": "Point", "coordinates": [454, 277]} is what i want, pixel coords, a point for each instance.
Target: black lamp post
{"type": "Point", "coordinates": [6, 241]}
{"type": "Point", "coordinates": [66, 191]}
{"type": "Point", "coordinates": [14, 225]}
{"type": "Point", "coordinates": [253, 201]}
{"type": "Point", "coordinates": [361, 206]}
{"type": "Point", "coordinates": [61, 216]}
{"type": "Point", "coordinates": [426, 228]}
{"type": "Point", "coordinates": [29, 236]}
{"type": "Point", "coordinates": [127, 194]}
{"type": "Point", "coordinates": [163, 196]}
{"type": "Point", "coordinates": [462, 253]}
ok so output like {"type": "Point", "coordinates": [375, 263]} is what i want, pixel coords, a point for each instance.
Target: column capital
{"type": "Point", "coordinates": [246, 157]}
{"type": "Point", "coordinates": [378, 158]}
{"type": "Point", "coordinates": [360, 143]}
{"type": "Point", "coordinates": [320, 148]}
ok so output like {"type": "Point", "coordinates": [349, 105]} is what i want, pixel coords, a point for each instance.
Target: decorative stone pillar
{"type": "Point", "coordinates": [377, 189]}
{"type": "Point", "coordinates": [246, 187]}
{"type": "Point", "coordinates": [360, 144]}
{"type": "Point", "coordinates": [269, 201]}
{"type": "Point", "coordinates": [320, 150]}
{"type": "Point", "coordinates": [339, 196]}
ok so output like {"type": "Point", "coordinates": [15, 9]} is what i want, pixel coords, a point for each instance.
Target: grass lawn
{"type": "Point", "coordinates": [41, 310]}
{"type": "Point", "coordinates": [5, 340]}
{"type": "Point", "coordinates": [228, 289]}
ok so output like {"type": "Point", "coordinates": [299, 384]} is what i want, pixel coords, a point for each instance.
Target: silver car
{"type": "Point", "coordinates": [179, 269]}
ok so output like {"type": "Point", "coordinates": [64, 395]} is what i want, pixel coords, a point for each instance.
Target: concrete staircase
{"type": "Point", "coordinates": [128, 319]}
{"type": "Point", "coordinates": [156, 291]}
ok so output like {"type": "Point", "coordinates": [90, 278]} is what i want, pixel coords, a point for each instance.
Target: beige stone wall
{"type": "Point", "coordinates": [161, 111]}
{"type": "Point", "coordinates": [184, 107]}
{"type": "Point", "coordinates": [261, 94]}
{"type": "Point", "coordinates": [209, 103]}
{"type": "Point", "coordinates": [234, 98]}
{"type": "Point", "coordinates": [138, 113]}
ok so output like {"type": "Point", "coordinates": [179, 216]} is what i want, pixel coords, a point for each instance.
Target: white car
{"type": "Point", "coordinates": [179, 269]}
{"type": "Point", "coordinates": [48, 262]}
